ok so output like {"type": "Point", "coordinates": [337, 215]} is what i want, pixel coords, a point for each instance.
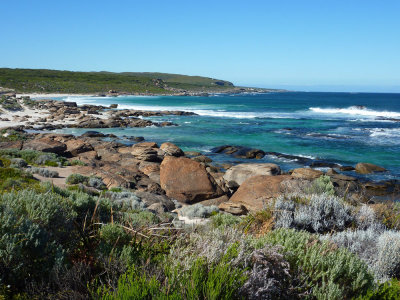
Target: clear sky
{"type": "Point", "coordinates": [351, 45]}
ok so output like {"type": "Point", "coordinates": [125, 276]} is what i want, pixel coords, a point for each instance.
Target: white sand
{"type": "Point", "coordinates": [15, 118]}
{"type": "Point", "coordinates": [36, 95]}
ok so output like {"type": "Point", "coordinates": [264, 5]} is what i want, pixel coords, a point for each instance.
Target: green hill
{"type": "Point", "coordinates": [54, 81]}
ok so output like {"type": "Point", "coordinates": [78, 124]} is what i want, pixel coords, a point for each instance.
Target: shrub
{"type": "Point", "coordinates": [34, 157]}
{"type": "Point", "coordinates": [96, 182]}
{"type": "Point", "coordinates": [259, 222]}
{"type": "Point", "coordinates": [198, 211]}
{"type": "Point", "coordinates": [322, 213]}
{"type": "Point", "coordinates": [224, 220]}
{"type": "Point", "coordinates": [35, 233]}
{"type": "Point", "coordinates": [77, 162]}
{"type": "Point", "coordinates": [14, 179]}
{"type": "Point", "coordinates": [322, 185]}
{"type": "Point", "coordinates": [18, 163]}
{"type": "Point", "coordinates": [44, 172]}
{"type": "Point", "coordinates": [126, 200]}
{"type": "Point", "coordinates": [390, 290]}
{"type": "Point", "coordinates": [266, 270]}
{"type": "Point", "coordinates": [141, 218]}
{"type": "Point", "coordinates": [326, 271]}
{"type": "Point", "coordinates": [378, 247]}
{"type": "Point", "coordinates": [77, 178]}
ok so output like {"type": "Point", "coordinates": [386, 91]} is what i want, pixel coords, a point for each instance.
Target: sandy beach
{"type": "Point", "coordinates": [37, 95]}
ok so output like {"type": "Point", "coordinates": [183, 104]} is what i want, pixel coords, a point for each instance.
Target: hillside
{"type": "Point", "coordinates": [54, 81]}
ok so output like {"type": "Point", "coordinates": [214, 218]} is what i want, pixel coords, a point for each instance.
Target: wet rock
{"type": "Point", "coordinates": [346, 168]}
{"type": "Point", "coordinates": [239, 151]}
{"type": "Point", "coordinates": [366, 168]}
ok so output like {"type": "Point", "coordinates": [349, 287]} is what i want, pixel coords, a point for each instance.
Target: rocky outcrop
{"type": "Point", "coordinates": [233, 208]}
{"type": "Point", "coordinates": [202, 159]}
{"type": "Point", "coordinates": [45, 144]}
{"type": "Point", "coordinates": [236, 175]}
{"type": "Point", "coordinates": [366, 168]}
{"type": "Point", "coordinates": [76, 147]}
{"type": "Point", "coordinates": [257, 191]}
{"type": "Point", "coordinates": [306, 173]}
{"type": "Point", "coordinates": [171, 149]}
{"type": "Point", "coordinates": [187, 180]}
{"type": "Point", "coordinates": [146, 151]}
{"type": "Point", "coordinates": [239, 151]}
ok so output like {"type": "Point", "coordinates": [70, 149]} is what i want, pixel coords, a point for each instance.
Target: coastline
{"type": "Point", "coordinates": [46, 115]}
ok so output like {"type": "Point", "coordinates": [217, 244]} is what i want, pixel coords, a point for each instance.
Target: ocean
{"type": "Point", "coordinates": [344, 128]}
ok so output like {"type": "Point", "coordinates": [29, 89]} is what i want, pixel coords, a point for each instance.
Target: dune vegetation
{"type": "Point", "coordinates": [75, 244]}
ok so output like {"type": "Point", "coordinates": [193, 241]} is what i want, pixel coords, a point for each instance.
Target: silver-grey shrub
{"type": "Point", "coordinates": [315, 213]}
{"type": "Point", "coordinates": [198, 211]}
{"type": "Point", "coordinates": [127, 200]}
{"type": "Point", "coordinates": [44, 172]}
{"type": "Point", "coordinates": [378, 247]}
{"type": "Point", "coordinates": [18, 163]}
{"type": "Point", "coordinates": [96, 182]}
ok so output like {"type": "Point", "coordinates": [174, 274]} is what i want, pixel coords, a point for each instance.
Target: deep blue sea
{"type": "Point", "coordinates": [339, 127]}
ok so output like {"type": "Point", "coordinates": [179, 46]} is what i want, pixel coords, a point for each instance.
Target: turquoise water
{"type": "Point", "coordinates": [339, 127]}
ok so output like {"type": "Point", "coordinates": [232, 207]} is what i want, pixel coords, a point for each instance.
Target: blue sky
{"type": "Point", "coordinates": [327, 45]}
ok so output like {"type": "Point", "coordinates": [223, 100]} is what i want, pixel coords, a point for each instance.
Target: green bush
{"type": "Point", "coordinates": [36, 232]}
{"type": "Point", "coordinates": [224, 220]}
{"type": "Point", "coordinates": [14, 179]}
{"type": "Point", "coordinates": [34, 157]}
{"type": "Point", "coordinates": [77, 162]}
{"type": "Point", "coordinates": [328, 272]}
{"type": "Point", "coordinates": [322, 185]}
{"type": "Point", "coordinates": [201, 281]}
{"type": "Point", "coordinates": [390, 290]}
{"type": "Point", "coordinates": [77, 178]}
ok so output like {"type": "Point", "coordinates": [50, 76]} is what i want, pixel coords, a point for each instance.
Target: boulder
{"type": "Point", "coordinates": [233, 208]}
{"type": "Point", "coordinates": [258, 190]}
{"type": "Point", "coordinates": [171, 149]}
{"type": "Point", "coordinates": [76, 147]}
{"type": "Point", "coordinates": [187, 180]}
{"type": "Point", "coordinates": [346, 168]}
{"type": "Point", "coordinates": [239, 151]}
{"type": "Point", "coordinates": [146, 151]}
{"type": "Point", "coordinates": [236, 175]}
{"type": "Point", "coordinates": [366, 168]}
{"type": "Point", "coordinates": [45, 145]}
{"type": "Point", "coordinates": [215, 201]}
{"type": "Point", "coordinates": [202, 158]}
{"type": "Point", "coordinates": [146, 145]}
{"type": "Point", "coordinates": [93, 134]}
{"type": "Point", "coordinates": [306, 173]}
{"type": "Point", "coordinates": [192, 153]}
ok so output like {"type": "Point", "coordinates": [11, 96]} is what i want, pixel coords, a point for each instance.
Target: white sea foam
{"type": "Point", "coordinates": [385, 132]}
{"type": "Point", "coordinates": [356, 111]}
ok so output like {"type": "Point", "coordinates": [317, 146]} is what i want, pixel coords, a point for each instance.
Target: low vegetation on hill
{"type": "Point", "coordinates": [86, 241]}
{"type": "Point", "coordinates": [53, 81]}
